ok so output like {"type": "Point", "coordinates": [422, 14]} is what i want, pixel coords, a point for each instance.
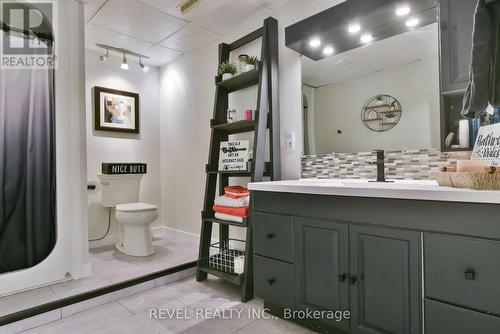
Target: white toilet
{"type": "Point", "coordinates": [134, 218]}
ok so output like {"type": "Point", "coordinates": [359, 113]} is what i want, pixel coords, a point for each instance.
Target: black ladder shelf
{"type": "Point", "coordinates": [266, 77]}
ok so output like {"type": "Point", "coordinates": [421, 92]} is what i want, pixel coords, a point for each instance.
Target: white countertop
{"type": "Point", "coordinates": [400, 189]}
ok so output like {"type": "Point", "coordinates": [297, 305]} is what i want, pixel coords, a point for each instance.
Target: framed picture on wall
{"type": "Point", "coordinates": [116, 110]}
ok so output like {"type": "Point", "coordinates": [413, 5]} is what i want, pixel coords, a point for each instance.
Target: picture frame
{"type": "Point", "coordinates": [116, 110]}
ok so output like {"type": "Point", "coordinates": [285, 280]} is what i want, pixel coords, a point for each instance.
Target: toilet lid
{"type": "Point", "coordinates": [135, 207]}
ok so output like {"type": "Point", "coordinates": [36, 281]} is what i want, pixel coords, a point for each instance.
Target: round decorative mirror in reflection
{"type": "Point", "coordinates": [381, 113]}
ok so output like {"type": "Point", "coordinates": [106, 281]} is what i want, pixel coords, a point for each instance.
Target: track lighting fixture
{"type": "Point", "coordinates": [104, 57]}
{"type": "Point", "coordinates": [126, 54]}
{"type": "Point", "coordinates": [145, 68]}
{"type": "Point", "coordinates": [124, 63]}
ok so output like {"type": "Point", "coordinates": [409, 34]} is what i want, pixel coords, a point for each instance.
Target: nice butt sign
{"type": "Point", "coordinates": [487, 145]}
{"type": "Point", "coordinates": [124, 168]}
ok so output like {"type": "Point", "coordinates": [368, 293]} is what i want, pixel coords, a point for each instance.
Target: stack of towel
{"type": "Point", "coordinates": [233, 205]}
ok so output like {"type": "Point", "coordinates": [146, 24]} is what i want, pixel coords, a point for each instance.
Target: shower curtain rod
{"type": "Point", "coordinates": [27, 34]}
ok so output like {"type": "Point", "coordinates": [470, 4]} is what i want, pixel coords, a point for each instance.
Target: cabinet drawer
{"type": "Point", "coordinates": [274, 281]}
{"type": "Point", "coordinates": [463, 271]}
{"type": "Point", "coordinates": [273, 236]}
{"type": "Point", "coordinates": [442, 318]}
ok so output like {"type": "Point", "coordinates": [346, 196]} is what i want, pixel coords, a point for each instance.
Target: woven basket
{"type": "Point", "coordinates": [479, 181]}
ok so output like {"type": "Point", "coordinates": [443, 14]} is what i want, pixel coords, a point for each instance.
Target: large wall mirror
{"type": "Point", "coordinates": [347, 105]}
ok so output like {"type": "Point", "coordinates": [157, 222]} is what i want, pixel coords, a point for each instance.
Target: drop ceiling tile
{"type": "Point", "coordinates": [95, 34]}
{"type": "Point", "coordinates": [202, 7]}
{"type": "Point", "coordinates": [138, 20]}
{"type": "Point", "coordinates": [160, 55]}
{"type": "Point", "coordinates": [189, 38]}
{"type": "Point", "coordinates": [271, 4]}
{"type": "Point", "coordinates": [226, 16]}
{"type": "Point", "coordinates": [91, 8]}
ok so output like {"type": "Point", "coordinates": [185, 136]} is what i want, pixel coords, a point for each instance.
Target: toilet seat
{"type": "Point", "coordinates": [136, 207]}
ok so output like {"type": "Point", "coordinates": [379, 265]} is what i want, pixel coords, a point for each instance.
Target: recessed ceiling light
{"type": "Point", "coordinates": [413, 22]}
{"type": "Point", "coordinates": [328, 50]}
{"type": "Point", "coordinates": [314, 42]}
{"type": "Point", "coordinates": [403, 10]}
{"type": "Point", "coordinates": [366, 38]}
{"type": "Point", "coordinates": [354, 28]}
{"type": "Point", "coordinates": [124, 65]}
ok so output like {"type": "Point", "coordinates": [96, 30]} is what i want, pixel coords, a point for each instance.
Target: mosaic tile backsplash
{"type": "Point", "coordinates": [409, 164]}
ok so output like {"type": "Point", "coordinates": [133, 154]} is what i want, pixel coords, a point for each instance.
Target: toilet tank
{"type": "Point", "coordinates": [119, 189]}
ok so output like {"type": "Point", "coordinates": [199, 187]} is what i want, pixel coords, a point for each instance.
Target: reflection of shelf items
{"type": "Point", "coordinates": [381, 113]}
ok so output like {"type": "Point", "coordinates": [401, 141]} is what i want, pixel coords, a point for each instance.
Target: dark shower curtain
{"type": "Point", "coordinates": [27, 168]}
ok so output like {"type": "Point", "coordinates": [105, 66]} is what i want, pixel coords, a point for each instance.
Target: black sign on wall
{"type": "Point", "coordinates": [124, 168]}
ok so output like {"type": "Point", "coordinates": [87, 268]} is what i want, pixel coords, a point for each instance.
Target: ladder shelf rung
{"type": "Point", "coordinates": [239, 173]}
{"type": "Point", "coordinates": [235, 279]}
{"type": "Point", "coordinates": [236, 127]}
{"type": "Point", "coordinates": [209, 217]}
{"type": "Point", "coordinates": [240, 81]}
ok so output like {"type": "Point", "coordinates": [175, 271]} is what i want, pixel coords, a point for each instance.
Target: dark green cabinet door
{"type": "Point", "coordinates": [321, 267]}
{"type": "Point", "coordinates": [456, 22]}
{"type": "Point", "coordinates": [385, 281]}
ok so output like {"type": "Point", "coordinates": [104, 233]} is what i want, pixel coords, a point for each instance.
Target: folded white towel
{"type": "Point", "coordinates": [230, 218]}
{"type": "Point", "coordinates": [232, 202]}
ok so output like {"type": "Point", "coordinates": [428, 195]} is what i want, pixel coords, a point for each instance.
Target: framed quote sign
{"type": "Point", "coordinates": [233, 155]}
{"type": "Point", "coordinates": [487, 145]}
{"type": "Point", "coordinates": [116, 110]}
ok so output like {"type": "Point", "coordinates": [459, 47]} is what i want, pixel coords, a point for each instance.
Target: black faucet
{"type": "Point", "coordinates": [380, 166]}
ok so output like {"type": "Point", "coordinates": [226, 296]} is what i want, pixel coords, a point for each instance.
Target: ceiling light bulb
{"type": "Point", "coordinates": [403, 10]}
{"type": "Point", "coordinates": [366, 38]}
{"type": "Point", "coordinates": [413, 22]}
{"type": "Point", "coordinates": [145, 68]}
{"type": "Point", "coordinates": [124, 63]}
{"type": "Point", "coordinates": [105, 57]}
{"type": "Point", "coordinates": [328, 50]}
{"type": "Point", "coordinates": [354, 28]}
{"type": "Point", "coordinates": [314, 42]}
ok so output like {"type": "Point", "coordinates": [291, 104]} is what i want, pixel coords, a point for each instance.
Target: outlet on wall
{"type": "Point", "coordinates": [290, 142]}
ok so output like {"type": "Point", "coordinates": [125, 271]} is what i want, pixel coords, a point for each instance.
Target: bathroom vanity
{"type": "Point", "coordinates": [401, 257]}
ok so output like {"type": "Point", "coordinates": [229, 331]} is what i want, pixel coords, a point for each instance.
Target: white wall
{"type": "Point", "coordinates": [104, 146]}
{"type": "Point", "coordinates": [187, 99]}
{"type": "Point", "coordinates": [338, 107]}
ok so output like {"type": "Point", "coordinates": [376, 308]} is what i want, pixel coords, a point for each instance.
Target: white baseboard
{"type": "Point", "coordinates": [157, 232]}
{"type": "Point", "coordinates": [166, 232]}
{"type": "Point", "coordinates": [107, 241]}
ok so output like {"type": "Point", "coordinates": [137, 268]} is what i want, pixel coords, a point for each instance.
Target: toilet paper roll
{"type": "Point", "coordinates": [463, 133]}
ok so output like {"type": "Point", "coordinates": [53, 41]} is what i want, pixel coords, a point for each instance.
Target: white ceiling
{"type": "Point", "coordinates": [157, 28]}
{"type": "Point", "coordinates": [399, 50]}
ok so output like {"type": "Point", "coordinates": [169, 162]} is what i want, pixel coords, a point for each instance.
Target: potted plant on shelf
{"type": "Point", "coordinates": [227, 70]}
{"type": "Point", "coordinates": [379, 100]}
{"type": "Point", "coordinates": [251, 63]}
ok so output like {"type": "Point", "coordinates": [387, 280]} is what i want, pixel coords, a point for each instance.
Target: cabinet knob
{"type": "Point", "coordinates": [470, 274]}
{"type": "Point", "coordinates": [270, 236]}
{"type": "Point", "coordinates": [271, 281]}
{"type": "Point", "coordinates": [352, 280]}
{"type": "Point", "coordinates": [342, 277]}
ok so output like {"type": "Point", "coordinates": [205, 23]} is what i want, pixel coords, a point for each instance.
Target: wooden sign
{"type": "Point", "coordinates": [124, 168]}
{"type": "Point", "coordinates": [487, 145]}
{"type": "Point", "coordinates": [233, 155]}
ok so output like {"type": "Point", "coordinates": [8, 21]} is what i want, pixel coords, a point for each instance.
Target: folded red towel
{"type": "Point", "coordinates": [239, 212]}
{"type": "Point", "coordinates": [236, 191]}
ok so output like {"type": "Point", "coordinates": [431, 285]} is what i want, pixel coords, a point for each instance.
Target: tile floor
{"type": "Point", "coordinates": [132, 314]}
{"type": "Point", "coordinates": [108, 267]}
